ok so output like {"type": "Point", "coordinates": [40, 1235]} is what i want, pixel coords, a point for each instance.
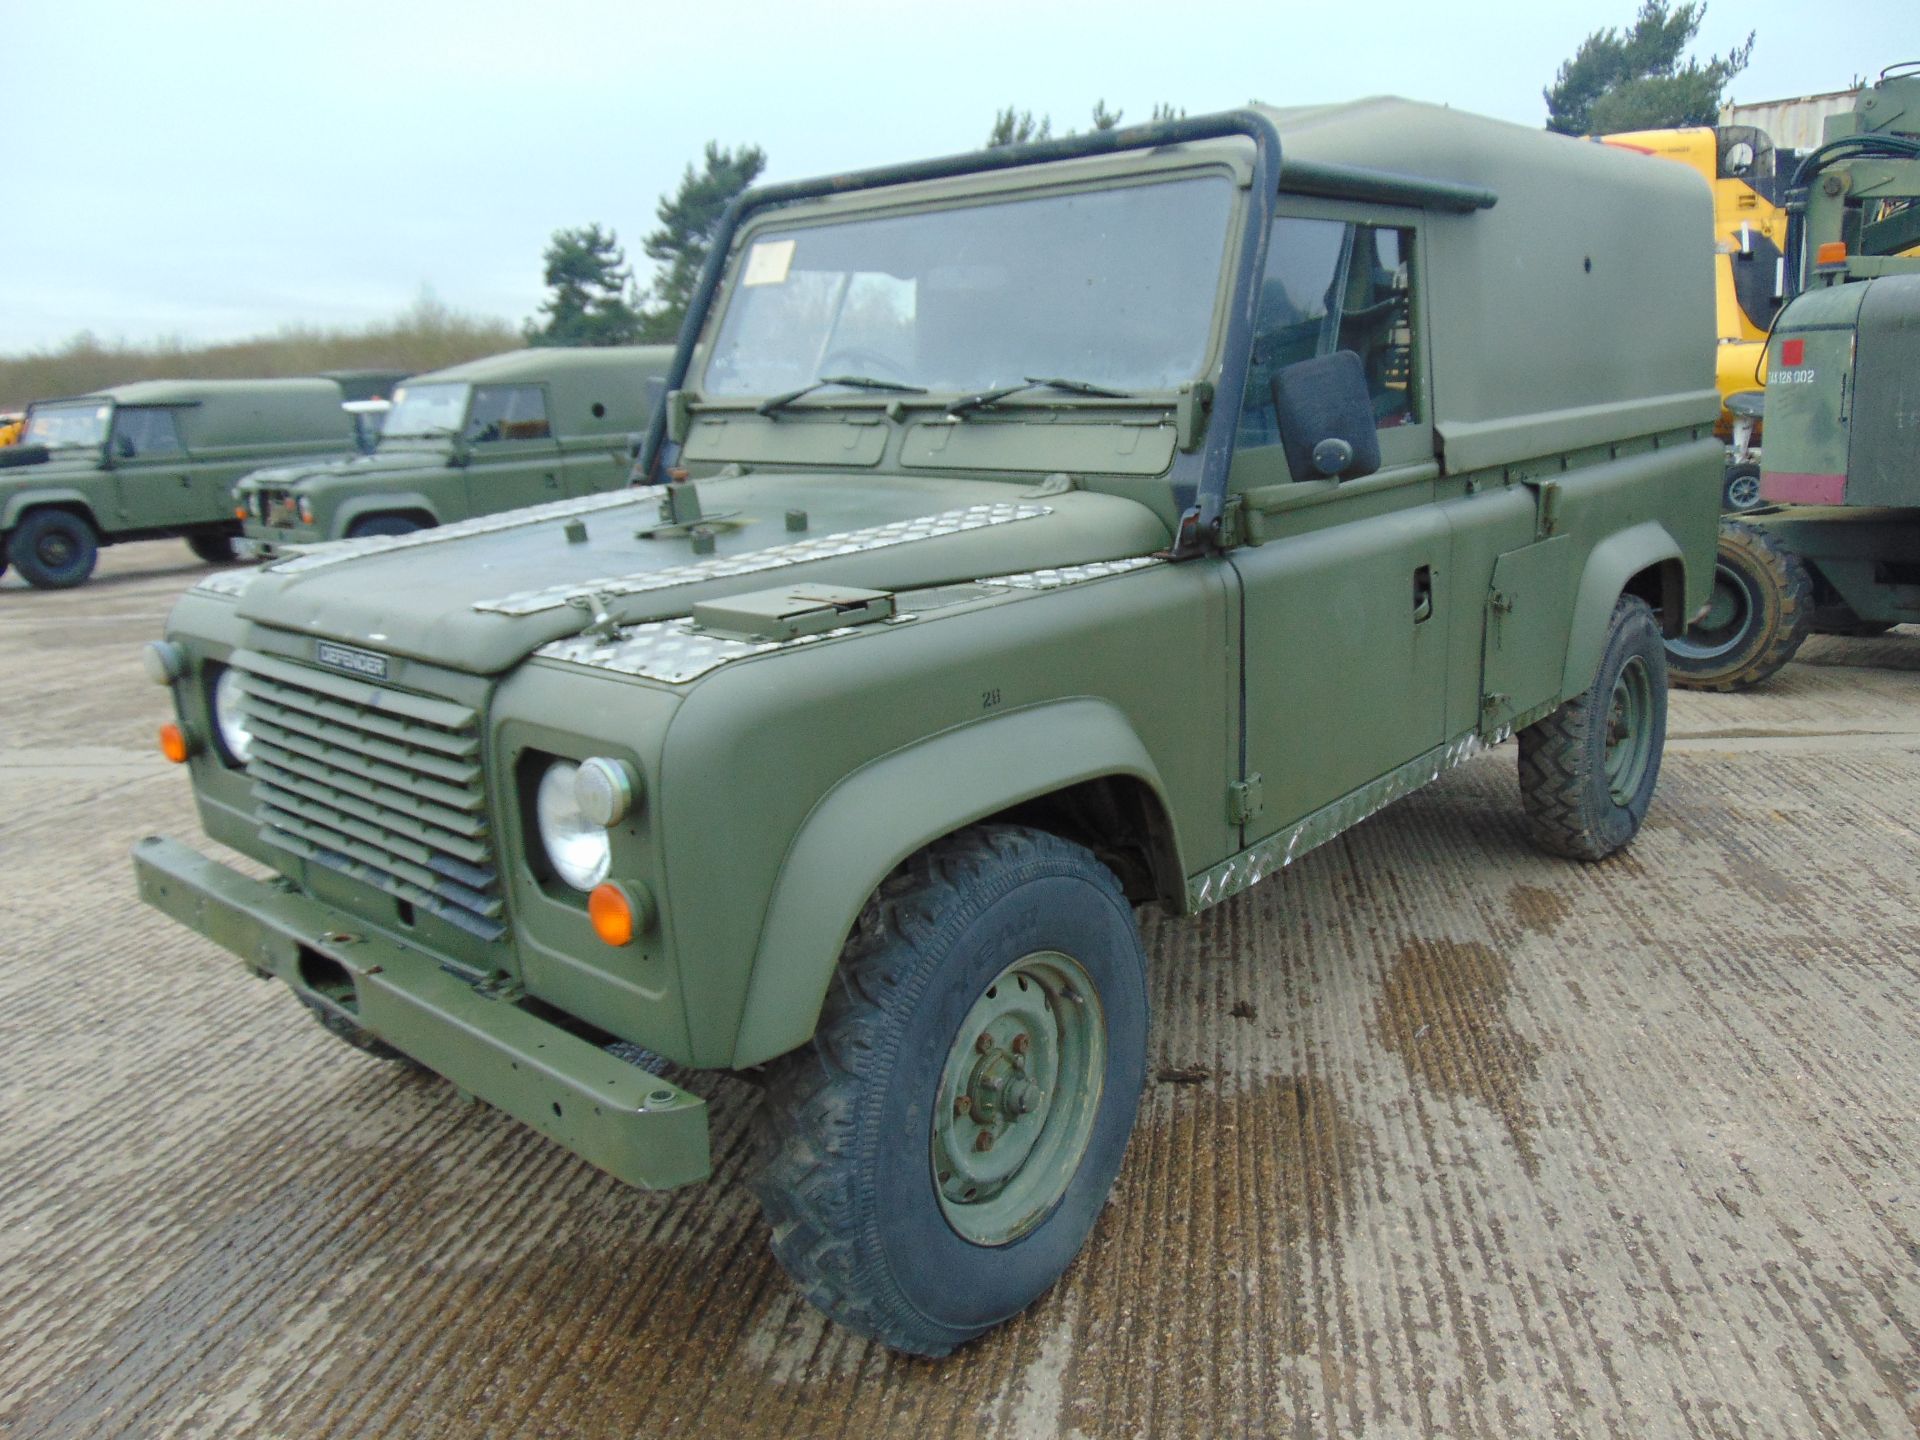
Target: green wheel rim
{"type": "Point", "coordinates": [56, 551]}
{"type": "Point", "coordinates": [1017, 1100]}
{"type": "Point", "coordinates": [1629, 730]}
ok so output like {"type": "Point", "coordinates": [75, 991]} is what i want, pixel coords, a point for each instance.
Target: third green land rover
{"type": "Point", "coordinates": [1038, 534]}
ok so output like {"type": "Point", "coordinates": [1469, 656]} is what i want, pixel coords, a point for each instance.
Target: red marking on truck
{"type": "Point", "coordinates": [1793, 352]}
{"type": "Point", "coordinates": [1799, 488]}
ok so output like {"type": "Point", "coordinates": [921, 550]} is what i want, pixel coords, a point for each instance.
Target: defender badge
{"type": "Point", "coordinates": [364, 663]}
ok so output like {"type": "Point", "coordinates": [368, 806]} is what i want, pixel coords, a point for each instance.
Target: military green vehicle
{"type": "Point", "coordinates": [1836, 548]}
{"type": "Point", "coordinates": [151, 460]}
{"type": "Point", "coordinates": [493, 434]}
{"type": "Point", "coordinates": [1046, 532]}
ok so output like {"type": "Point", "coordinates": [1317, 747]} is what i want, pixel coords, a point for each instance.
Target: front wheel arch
{"type": "Point", "coordinates": [859, 833]}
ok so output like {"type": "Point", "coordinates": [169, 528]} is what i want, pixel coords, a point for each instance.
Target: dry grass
{"type": "Point", "coordinates": [426, 337]}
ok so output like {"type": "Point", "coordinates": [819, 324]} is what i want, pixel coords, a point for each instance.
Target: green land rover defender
{"type": "Point", "coordinates": [490, 435]}
{"type": "Point", "coordinates": [1041, 533]}
{"type": "Point", "coordinates": [151, 460]}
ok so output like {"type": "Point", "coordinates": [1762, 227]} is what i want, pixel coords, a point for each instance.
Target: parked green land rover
{"type": "Point", "coordinates": [489, 435]}
{"type": "Point", "coordinates": [150, 460]}
{"type": "Point", "coordinates": [1044, 532]}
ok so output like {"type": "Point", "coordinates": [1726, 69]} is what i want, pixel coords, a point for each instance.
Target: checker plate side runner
{"type": "Point", "coordinates": [1024, 537]}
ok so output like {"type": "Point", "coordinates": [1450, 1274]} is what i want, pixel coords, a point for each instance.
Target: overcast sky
{"type": "Point", "coordinates": [217, 170]}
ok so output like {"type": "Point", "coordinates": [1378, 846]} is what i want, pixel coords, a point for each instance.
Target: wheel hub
{"type": "Point", "coordinates": [1017, 1098]}
{"type": "Point", "coordinates": [1629, 737]}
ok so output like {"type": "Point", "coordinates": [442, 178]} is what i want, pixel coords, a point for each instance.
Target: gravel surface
{"type": "Point", "coordinates": [1444, 1136]}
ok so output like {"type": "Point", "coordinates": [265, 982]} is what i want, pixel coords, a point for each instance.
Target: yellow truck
{"type": "Point", "coordinates": [1748, 177]}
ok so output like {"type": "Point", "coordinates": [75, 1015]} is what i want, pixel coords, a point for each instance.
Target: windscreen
{"type": "Point", "coordinates": [426, 410]}
{"type": "Point", "coordinates": [58, 427]}
{"type": "Point", "coordinates": [1114, 287]}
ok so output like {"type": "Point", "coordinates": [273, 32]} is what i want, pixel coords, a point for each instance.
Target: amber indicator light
{"type": "Point", "coordinates": [611, 913]}
{"type": "Point", "coordinates": [173, 744]}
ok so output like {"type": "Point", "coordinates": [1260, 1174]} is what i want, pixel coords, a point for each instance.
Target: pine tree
{"type": "Point", "coordinates": [1017, 127]}
{"type": "Point", "coordinates": [1636, 79]}
{"type": "Point", "coordinates": [687, 221]}
{"type": "Point", "coordinates": [592, 300]}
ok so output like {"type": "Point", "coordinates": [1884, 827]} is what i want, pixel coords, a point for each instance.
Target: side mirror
{"type": "Point", "coordinates": [1326, 418]}
{"type": "Point", "coordinates": [123, 447]}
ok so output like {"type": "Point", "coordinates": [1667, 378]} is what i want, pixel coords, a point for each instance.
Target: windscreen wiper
{"type": "Point", "coordinates": [858, 382]}
{"type": "Point", "coordinates": [969, 403]}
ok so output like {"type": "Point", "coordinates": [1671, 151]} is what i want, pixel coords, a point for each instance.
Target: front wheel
{"type": "Point", "coordinates": [214, 547]}
{"type": "Point", "coordinates": [382, 525]}
{"type": "Point", "coordinates": [1588, 770]}
{"type": "Point", "coordinates": [53, 549]}
{"type": "Point", "coordinates": [939, 1153]}
{"type": "Point", "coordinates": [1759, 613]}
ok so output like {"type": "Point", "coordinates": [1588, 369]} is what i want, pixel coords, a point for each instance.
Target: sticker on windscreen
{"type": "Point", "coordinates": [768, 263]}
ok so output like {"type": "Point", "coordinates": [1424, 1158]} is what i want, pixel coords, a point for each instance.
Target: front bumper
{"type": "Point", "coordinates": [634, 1125]}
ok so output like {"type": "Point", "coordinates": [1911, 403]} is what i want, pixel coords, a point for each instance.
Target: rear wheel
{"type": "Point", "coordinates": [1760, 612]}
{"type": "Point", "coordinates": [938, 1155]}
{"type": "Point", "coordinates": [382, 525]}
{"type": "Point", "coordinates": [1588, 770]}
{"type": "Point", "coordinates": [53, 549]}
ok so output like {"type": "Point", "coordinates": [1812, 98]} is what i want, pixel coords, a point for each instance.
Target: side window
{"type": "Point", "coordinates": [145, 435]}
{"type": "Point", "coordinates": [508, 412]}
{"type": "Point", "coordinates": [1333, 286]}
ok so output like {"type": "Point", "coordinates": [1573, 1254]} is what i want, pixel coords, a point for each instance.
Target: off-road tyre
{"type": "Point", "coordinates": [383, 525]}
{"type": "Point", "coordinates": [348, 1033]}
{"type": "Point", "coordinates": [53, 549]}
{"type": "Point", "coordinates": [1761, 612]}
{"type": "Point", "coordinates": [214, 547]}
{"type": "Point", "coordinates": [1585, 791]}
{"type": "Point", "coordinates": [1740, 489]}
{"type": "Point", "coordinates": [849, 1146]}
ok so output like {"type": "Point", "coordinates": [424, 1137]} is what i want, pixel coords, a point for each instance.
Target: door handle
{"type": "Point", "coordinates": [1422, 594]}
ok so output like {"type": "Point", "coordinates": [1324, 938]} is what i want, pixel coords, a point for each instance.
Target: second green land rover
{"type": "Point", "coordinates": [489, 435]}
{"type": "Point", "coordinates": [1045, 532]}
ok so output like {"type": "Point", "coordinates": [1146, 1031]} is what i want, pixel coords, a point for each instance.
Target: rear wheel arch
{"type": "Point", "coordinates": [1643, 560]}
{"type": "Point", "coordinates": [1055, 767]}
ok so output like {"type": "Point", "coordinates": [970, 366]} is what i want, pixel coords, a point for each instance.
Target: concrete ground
{"type": "Point", "coordinates": [1446, 1137]}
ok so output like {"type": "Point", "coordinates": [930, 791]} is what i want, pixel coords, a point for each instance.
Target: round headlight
{"type": "Point", "coordinates": [578, 849]}
{"type": "Point", "coordinates": [230, 716]}
{"type": "Point", "coordinates": [605, 789]}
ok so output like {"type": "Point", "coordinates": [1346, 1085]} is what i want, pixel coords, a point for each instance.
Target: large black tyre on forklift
{"type": "Point", "coordinates": [935, 1158]}
{"type": "Point", "coordinates": [53, 549]}
{"type": "Point", "coordinates": [1587, 771]}
{"type": "Point", "coordinates": [1760, 612]}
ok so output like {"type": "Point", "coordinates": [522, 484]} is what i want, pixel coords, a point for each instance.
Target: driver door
{"type": "Point", "coordinates": [514, 458]}
{"type": "Point", "coordinates": [1344, 661]}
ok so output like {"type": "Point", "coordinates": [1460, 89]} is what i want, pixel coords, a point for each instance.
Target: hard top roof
{"type": "Point", "coordinates": [543, 362]}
